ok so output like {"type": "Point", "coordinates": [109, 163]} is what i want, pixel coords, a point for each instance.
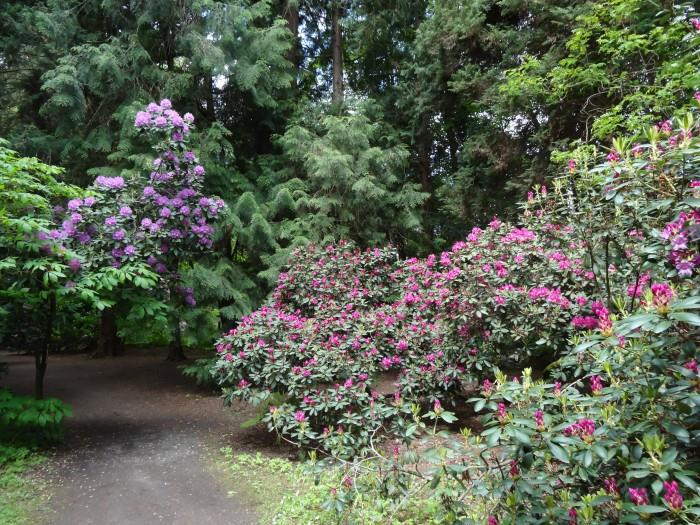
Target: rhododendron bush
{"type": "Point", "coordinates": [159, 219]}
{"type": "Point", "coordinates": [349, 336]}
{"type": "Point", "coordinates": [145, 225]}
{"type": "Point", "coordinates": [612, 433]}
{"type": "Point", "coordinates": [350, 339]}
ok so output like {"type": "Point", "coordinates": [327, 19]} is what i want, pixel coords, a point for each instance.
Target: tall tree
{"type": "Point", "coordinates": [337, 46]}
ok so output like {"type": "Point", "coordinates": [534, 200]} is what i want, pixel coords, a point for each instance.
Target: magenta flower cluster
{"type": "Point", "coordinates": [344, 318]}
{"type": "Point", "coordinates": [584, 428]}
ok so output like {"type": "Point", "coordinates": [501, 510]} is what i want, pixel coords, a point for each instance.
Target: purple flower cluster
{"type": "Point", "coordinates": [187, 294]}
{"type": "Point", "coordinates": [162, 116]}
{"type": "Point", "coordinates": [161, 219]}
{"type": "Point", "coordinates": [110, 183]}
{"type": "Point", "coordinates": [683, 250]}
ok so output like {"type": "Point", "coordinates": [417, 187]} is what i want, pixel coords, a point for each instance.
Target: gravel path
{"type": "Point", "coordinates": [136, 448]}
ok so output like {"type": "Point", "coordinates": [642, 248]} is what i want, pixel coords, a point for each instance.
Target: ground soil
{"type": "Point", "coordinates": [137, 450]}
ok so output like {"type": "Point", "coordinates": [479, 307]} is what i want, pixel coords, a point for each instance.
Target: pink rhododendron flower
{"type": "Point", "coordinates": [584, 428]}
{"type": "Point", "coordinates": [584, 322]}
{"type": "Point", "coordinates": [613, 156]}
{"type": "Point", "coordinates": [662, 294]}
{"type": "Point", "coordinates": [672, 495]}
{"type": "Point", "coordinates": [514, 469]}
{"type": "Point", "coordinates": [502, 413]}
{"type": "Point", "coordinates": [610, 486]}
{"type": "Point", "coordinates": [639, 496]}
{"type": "Point", "coordinates": [539, 418]}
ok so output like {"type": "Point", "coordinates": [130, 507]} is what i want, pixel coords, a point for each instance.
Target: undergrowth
{"type": "Point", "coordinates": [284, 492]}
{"type": "Point", "coordinates": [20, 496]}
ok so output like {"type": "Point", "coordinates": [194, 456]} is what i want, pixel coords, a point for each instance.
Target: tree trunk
{"type": "Point", "coordinates": [336, 15]}
{"type": "Point", "coordinates": [452, 143]}
{"type": "Point", "coordinates": [175, 350]}
{"type": "Point", "coordinates": [424, 163]}
{"type": "Point", "coordinates": [41, 354]}
{"type": "Point", "coordinates": [109, 344]}
{"type": "Point", "coordinates": [211, 115]}
{"type": "Point", "coordinates": [425, 171]}
{"type": "Point", "coordinates": [291, 14]}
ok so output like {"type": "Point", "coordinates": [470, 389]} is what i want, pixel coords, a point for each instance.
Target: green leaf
{"type": "Point", "coordinates": [650, 509]}
{"type": "Point", "coordinates": [678, 431]}
{"type": "Point", "coordinates": [587, 458]}
{"type": "Point", "coordinates": [518, 435]}
{"type": "Point", "coordinates": [559, 452]}
{"type": "Point", "coordinates": [448, 417]}
{"type": "Point", "coordinates": [686, 317]}
{"type": "Point", "coordinates": [600, 451]}
{"type": "Point", "coordinates": [493, 438]}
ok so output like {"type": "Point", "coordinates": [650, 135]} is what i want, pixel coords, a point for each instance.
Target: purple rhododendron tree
{"type": "Point", "coordinates": [162, 220]}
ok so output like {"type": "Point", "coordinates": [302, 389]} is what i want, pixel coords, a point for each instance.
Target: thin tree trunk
{"type": "Point", "coordinates": [424, 167]}
{"type": "Point", "coordinates": [336, 15]}
{"type": "Point", "coordinates": [41, 354]}
{"type": "Point", "coordinates": [452, 143]}
{"type": "Point", "coordinates": [109, 344]}
{"type": "Point", "coordinates": [211, 115]}
{"type": "Point", "coordinates": [175, 350]}
{"type": "Point", "coordinates": [424, 171]}
{"type": "Point", "coordinates": [291, 14]}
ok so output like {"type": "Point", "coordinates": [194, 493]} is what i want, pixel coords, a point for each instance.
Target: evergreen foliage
{"type": "Point", "coordinates": [449, 112]}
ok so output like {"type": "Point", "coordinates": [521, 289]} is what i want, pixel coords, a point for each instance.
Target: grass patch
{"type": "Point", "coordinates": [20, 496]}
{"type": "Point", "coordinates": [285, 492]}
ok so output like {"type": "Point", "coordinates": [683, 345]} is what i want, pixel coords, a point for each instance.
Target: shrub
{"type": "Point", "coordinates": [160, 219]}
{"type": "Point", "coordinates": [31, 419]}
{"type": "Point", "coordinates": [510, 296]}
{"type": "Point", "coordinates": [612, 434]}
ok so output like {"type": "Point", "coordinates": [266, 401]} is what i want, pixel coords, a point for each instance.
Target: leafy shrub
{"type": "Point", "coordinates": [201, 371]}
{"type": "Point", "coordinates": [157, 219]}
{"type": "Point", "coordinates": [30, 272]}
{"type": "Point", "coordinates": [614, 439]}
{"type": "Point", "coordinates": [604, 292]}
{"type": "Point", "coordinates": [290, 493]}
{"type": "Point", "coordinates": [613, 434]}
{"type": "Point", "coordinates": [314, 353]}
{"type": "Point", "coordinates": [342, 321]}
{"type": "Point", "coordinates": [34, 419]}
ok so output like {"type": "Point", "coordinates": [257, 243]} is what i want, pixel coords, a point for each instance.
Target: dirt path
{"type": "Point", "coordinates": [135, 450]}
